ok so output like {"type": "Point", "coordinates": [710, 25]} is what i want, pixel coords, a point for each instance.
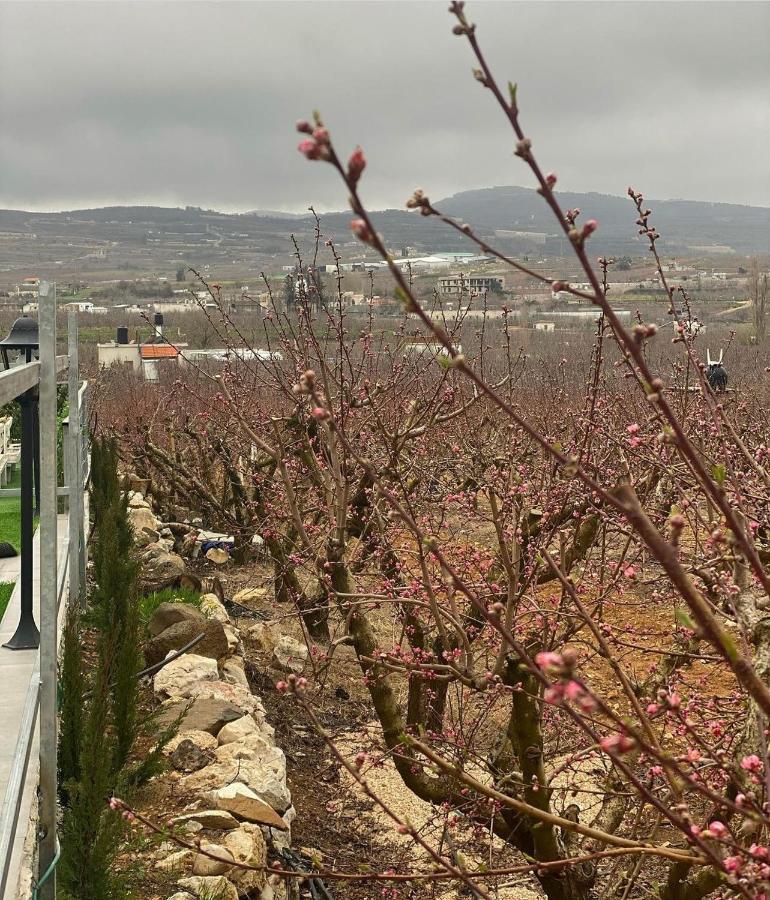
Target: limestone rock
{"type": "Point", "coordinates": [183, 676]}
{"type": "Point", "coordinates": [181, 895]}
{"type": "Point", "coordinates": [233, 638]}
{"type": "Point", "coordinates": [238, 729]}
{"type": "Point", "coordinates": [242, 802]}
{"type": "Point", "coordinates": [202, 739]}
{"type": "Point", "coordinates": [208, 886]}
{"type": "Point", "coordinates": [204, 714]}
{"type": "Point", "coordinates": [168, 614]}
{"type": "Point", "coordinates": [248, 596]}
{"type": "Point", "coordinates": [235, 694]}
{"type": "Point", "coordinates": [137, 500]}
{"type": "Point", "coordinates": [174, 862]}
{"type": "Point", "coordinates": [253, 746]}
{"type": "Point", "coordinates": [145, 537]}
{"type": "Point", "coordinates": [247, 845]}
{"type": "Point", "coordinates": [232, 672]}
{"type": "Point", "coordinates": [213, 609]}
{"type": "Point", "coordinates": [289, 655]}
{"type": "Point", "coordinates": [218, 556]}
{"type": "Point", "coordinates": [205, 865]}
{"type": "Point", "coordinates": [261, 774]}
{"type": "Point", "coordinates": [178, 635]}
{"type": "Point", "coordinates": [275, 889]}
{"type": "Point", "coordinates": [265, 636]}
{"type": "Point", "coordinates": [160, 567]}
{"type": "Point", "coordinates": [141, 517]}
{"type": "Point", "coordinates": [213, 819]}
{"type": "Point", "coordinates": [188, 757]}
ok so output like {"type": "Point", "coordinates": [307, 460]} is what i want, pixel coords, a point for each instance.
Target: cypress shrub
{"type": "Point", "coordinates": [71, 693]}
{"type": "Point", "coordinates": [99, 714]}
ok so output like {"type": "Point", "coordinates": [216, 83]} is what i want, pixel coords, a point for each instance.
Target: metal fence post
{"type": "Point", "coordinates": [26, 636]}
{"type": "Point", "coordinates": [48, 594]}
{"type": "Point", "coordinates": [74, 469]}
{"type": "Point", "coordinates": [84, 450]}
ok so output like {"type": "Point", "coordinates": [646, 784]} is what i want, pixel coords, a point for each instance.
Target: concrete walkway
{"type": "Point", "coordinates": [17, 669]}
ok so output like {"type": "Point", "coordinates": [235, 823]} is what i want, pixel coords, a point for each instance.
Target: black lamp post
{"type": "Point", "coordinates": [23, 338]}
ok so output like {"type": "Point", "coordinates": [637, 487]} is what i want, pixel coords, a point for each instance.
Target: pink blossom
{"type": "Point", "coordinates": [717, 829]}
{"type": "Point", "coordinates": [573, 690]}
{"type": "Point", "coordinates": [618, 743]}
{"type": "Point", "coordinates": [553, 695]}
{"type": "Point", "coordinates": [590, 227]}
{"type": "Point", "coordinates": [752, 763]}
{"type": "Point", "coordinates": [630, 573]}
{"type": "Point", "coordinates": [633, 428]}
{"type": "Point", "coordinates": [304, 127]}
{"type": "Point", "coordinates": [319, 413]}
{"type": "Point", "coordinates": [549, 660]}
{"type": "Point", "coordinates": [732, 864]}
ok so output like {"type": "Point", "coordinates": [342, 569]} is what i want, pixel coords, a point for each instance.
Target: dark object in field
{"type": "Point", "coordinates": [715, 372]}
{"type": "Point", "coordinates": [203, 586]}
{"type": "Point", "coordinates": [239, 611]}
{"type": "Point", "coordinates": [299, 862]}
{"type": "Point", "coordinates": [7, 550]}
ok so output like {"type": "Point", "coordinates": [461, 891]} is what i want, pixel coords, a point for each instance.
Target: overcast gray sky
{"type": "Point", "coordinates": [176, 103]}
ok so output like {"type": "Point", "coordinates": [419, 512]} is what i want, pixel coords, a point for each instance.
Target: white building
{"type": "Point", "coordinates": [473, 284]}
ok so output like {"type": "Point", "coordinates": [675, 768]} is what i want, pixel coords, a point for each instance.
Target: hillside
{"type": "Point", "coordinates": [126, 239]}
{"type": "Point", "coordinates": [684, 224]}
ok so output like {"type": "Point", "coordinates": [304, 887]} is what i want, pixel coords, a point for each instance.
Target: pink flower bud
{"type": "Point", "coordinates": [309, 148]}
{"type": "Point", "coordinates": [732, 864]}
{"type": "Point", "coordinates": [550, 179]}
{"type": "Point", "coordinates": [321, 135]}
{"type": "Point", "coordinates": [304, 127]}
{"type": "Point", "coordinates": [319, 413]}
{"type": "Point", "coordinates": [717, 829]}
{"type": "Point", "coordinates": [356, 165]}
{"type": "Point", "coordinates": [590, 227]}
{"type": "Point", "coordinates": [361, 230]}
{"type": "Point", "coordinates": [633, 428]}
{"type": "Point", "coordinates": [630, 573]}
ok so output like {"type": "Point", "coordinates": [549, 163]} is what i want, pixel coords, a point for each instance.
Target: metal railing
{"type": "Point", "coordinates": [56, 581]}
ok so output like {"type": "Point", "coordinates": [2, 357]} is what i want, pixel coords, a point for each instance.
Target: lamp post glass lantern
{"type": "Point", "coordinates": [23, 339]}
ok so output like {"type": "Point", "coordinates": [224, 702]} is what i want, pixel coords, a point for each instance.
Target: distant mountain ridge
{"type": "Point", "coordinates": [683, 224]}
{"type": "Point", "coordinates": [686, 226]}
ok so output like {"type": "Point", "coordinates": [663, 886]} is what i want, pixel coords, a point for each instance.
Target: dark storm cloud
{"type": "Point", "coordinates": [194, 102]}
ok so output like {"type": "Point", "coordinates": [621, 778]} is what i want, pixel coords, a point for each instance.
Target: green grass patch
{"type": "Point", "coordinates": [10, 515]}
{"type": "Point", "coordinates": [149, 603]}
{"type": "Point", "coordinates": [6, 589]}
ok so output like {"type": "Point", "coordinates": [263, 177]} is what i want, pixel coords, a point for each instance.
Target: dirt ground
{"type": "Point", "coordinates": [338, 825]}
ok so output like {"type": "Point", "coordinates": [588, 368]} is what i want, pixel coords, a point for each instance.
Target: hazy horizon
{"type": "Point", "coordinates": [194, 103]}
{"type": "Point", "coordinates": [341, 209]}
